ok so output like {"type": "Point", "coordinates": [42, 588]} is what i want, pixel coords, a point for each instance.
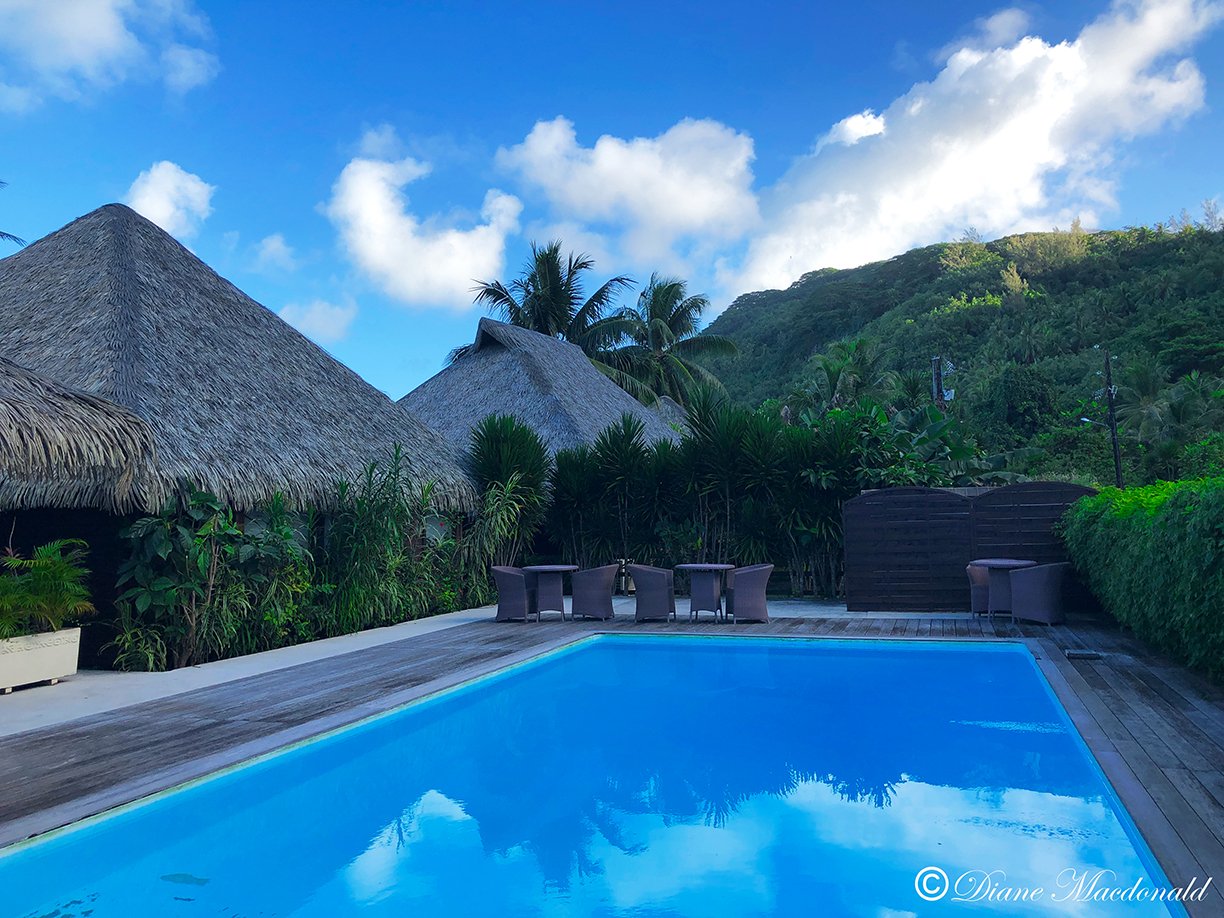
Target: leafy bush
{"type": "Point", "coordinates": [1204, 458]}
{"type": "Point", "coordinates": [1154, 556]}
{"type": "Point", "coordinates": [45, 591]}
{"type": "Point", "coordinates": [198, 586]}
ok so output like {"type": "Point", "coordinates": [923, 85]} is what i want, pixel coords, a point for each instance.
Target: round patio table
{"type": "Point", "coordinates": [706, 592]}
{"type": "Point", "coordinates": [999, 597]}
{"type": "Point", "coordinates": [550, 597]}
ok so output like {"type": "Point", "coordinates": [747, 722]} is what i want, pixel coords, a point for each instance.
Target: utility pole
{"type": "Point", "coordinates": [937, 389]}
{"type": "Point", "coordinates": [1110, 392]}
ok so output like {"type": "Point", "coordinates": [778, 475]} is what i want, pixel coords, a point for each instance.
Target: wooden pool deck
{"type": "Point", "coordinates": [1156, 729]}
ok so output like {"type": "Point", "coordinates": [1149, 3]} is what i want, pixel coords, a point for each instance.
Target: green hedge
{"type": "Point", "coordinates": [1154, 556]}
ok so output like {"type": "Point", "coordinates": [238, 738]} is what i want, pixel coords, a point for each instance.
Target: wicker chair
{"type": "Point", "coordinates": [746, 593]}
{"type": "Point", "coordinates": [979, 588]}
{"type": "Point", "coordinates": [516, 601]}
{"type": "Point", "coordinates": [1037, 592]}
{"type": "Point", "coordinates": [656, 593]}
{"type": "Point", "coordinates": [593, 592]}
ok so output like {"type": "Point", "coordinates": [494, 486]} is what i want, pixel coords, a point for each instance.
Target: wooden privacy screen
{"type": "Point", "coordinates": [907, 548]}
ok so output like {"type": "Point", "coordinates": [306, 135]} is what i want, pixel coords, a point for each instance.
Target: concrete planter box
{"type": "Point", "coordinates": [38, 658]}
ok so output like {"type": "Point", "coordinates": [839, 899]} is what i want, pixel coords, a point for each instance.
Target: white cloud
{"type": "Point", "coordinates": [320, 320]}
{"type": "Point", "coordinates": [989, 32]}
{"type": "Point", "coordinates": [851, 130]}
{"type": "Point", "coordinates": [186, 68]}
{"type": "Point", "coordinates": [273, 253]}
{"type": "Point", "coordinates": [691, 183]}
{"type": "Point", "coordinates": [1003, 139]}
{"type": "Point", "coordinates": [173, 198]}
{"type": "Point", "coordinates": [381, 142]}
{"type": "Point", "coordinates": [66, 48]}
{"type": "Point", "coordinates": [420, 262]}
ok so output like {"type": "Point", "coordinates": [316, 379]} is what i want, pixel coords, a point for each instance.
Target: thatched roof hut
{"type": "Point", "coordinates": [547, 383]}
{"type": "Point", "coordinates": [60, 447]}
{"type": "Point", "coordinates": [239, 402]}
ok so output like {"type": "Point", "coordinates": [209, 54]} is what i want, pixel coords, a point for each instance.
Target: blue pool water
{"type": "Point", "coordinates": [634, 776]}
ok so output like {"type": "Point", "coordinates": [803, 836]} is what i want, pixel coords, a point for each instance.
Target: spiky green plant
{"type": "Point", "coordinates": [46, 590]}
{"type": "Point", "coordinates": [509, 457]}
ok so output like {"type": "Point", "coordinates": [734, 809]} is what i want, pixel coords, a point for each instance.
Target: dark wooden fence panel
{"type": "Point", "coordinates": [1018, 521]}
{"type": "Point", "coordinates": [908, 542]}
{"type": "Point", "coordinates": [906, 548]}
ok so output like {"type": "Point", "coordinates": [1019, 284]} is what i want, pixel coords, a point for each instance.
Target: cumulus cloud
{"type": "Point", "coordinates": [692, 183]}
{"type": "Point", "coordinates": [319, 320]}
{"type": "Point", "coordinates": [173, 198]}
{"type": "Point", "coordinates": [66, 48]}
{"type": "Point", "coordinates": [273, 253]}
{"type": "Point", "coordinates": [850, 131]}
{"type": "Point", "coordinates": [1003, 139]}
{"type": "Point", "coordinates": [429, 262]}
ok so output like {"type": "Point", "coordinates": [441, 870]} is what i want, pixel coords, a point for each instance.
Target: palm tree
{"type": "Point", "coordinates": [852, 371]}
{"type": "Point", "coordinates": [660, 342]}
{"type": "Point", "coordinates": [1143, 400]}
{"type": "Point", "coordinates": [9, 237]}
{"type": "Point", "coordinates": [549, 298]}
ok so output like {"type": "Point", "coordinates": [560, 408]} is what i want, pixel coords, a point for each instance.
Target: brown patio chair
{"type": "Point", "coordinates": [515, 595]}
{"type": "Point", "coordinates": [979, 588]}
{"type": "Point", "coordinates": [656, 593]}
{"type": "Point", "coordinates": [1037, 592]}
{"type": "Point", "coordinates": [593, 592]}
{"type": "Point", "coordinates": [746, 593]}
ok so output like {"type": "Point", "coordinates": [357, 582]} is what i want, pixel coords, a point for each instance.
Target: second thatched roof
{"type": "Point", "coordinates": [60, 447]}
{"type": "Point", "coordinates": [238, 401]}
{"type": "Point", "coordinates": [547, 383]}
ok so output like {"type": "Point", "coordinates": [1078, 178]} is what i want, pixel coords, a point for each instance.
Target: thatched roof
{"type": "Point", "coordinates": [61, 447]}
{"type": "Point", "coordinates": [239, 402]}
{"type": "Point", "coordinates": [545, 382]}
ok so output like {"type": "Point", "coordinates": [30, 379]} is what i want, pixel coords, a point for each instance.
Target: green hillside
{"type": "Point", "coordinates": [1023, 320]}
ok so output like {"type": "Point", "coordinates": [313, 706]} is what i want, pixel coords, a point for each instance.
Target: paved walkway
{"type": "Point", "coordinates": [93, 692]}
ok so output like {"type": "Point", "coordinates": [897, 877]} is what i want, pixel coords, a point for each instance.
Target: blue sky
{"type": "Point", "coordinates": [356, 167]}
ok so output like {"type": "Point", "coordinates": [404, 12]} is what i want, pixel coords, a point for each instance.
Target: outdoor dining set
{"type": "Point", "coordinates": [1024, 589]}
{"type": "Point", "coordinates": [524, 593]}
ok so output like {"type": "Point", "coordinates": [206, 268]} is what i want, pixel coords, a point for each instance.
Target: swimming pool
{"type": "Point", "coordinates": [635, 775]}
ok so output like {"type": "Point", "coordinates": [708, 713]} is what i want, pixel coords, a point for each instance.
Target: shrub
{"type": "Point", "coordinates": [1205, 458]}
{"type": "Point", "coordinates": [45, 591]}
{"type": "Point", "coordinates": [1154, 556]}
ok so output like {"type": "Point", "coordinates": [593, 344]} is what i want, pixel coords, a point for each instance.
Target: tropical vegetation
{"type": "Point", "coordinates": [201, 584]}
{"type": "Point", "coordinates": [1153, 556]}
{"type": "Point", "coordinates": [549, 296]}
{"type": "Point", "coordinates": [741, 485]}
{"type": "Point", "coordinates": [1020, 327]}
{"type": "Point", "coordinates": [649, 349]}
{"type": "Point", "coordinates": [45, 591]}
{"type": "Point", "coordinates": [656, 343]}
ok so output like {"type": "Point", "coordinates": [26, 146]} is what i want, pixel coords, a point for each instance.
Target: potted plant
{"type": "Point", "coordinates": [38, 596]}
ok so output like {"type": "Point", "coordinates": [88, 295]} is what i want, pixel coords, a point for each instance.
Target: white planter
{"type": "Point", "coordinates": [38, 658]}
